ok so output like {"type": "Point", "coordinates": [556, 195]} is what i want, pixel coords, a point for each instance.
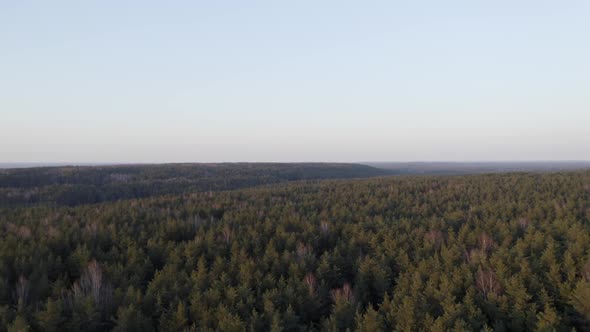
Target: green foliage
{"type": "Point", "coordinates": [130, 318]}
{"type": "Point", "coordinates": [19, 325]}
{"type": "Point", "coordinates": [369, 321]}
{"type": "Point", "coordinates": [82, 185]}
{"type": "Point", "coordinates": [580, 299]}
{"type": "Point", "coordinates": [52, 317]}
{"type": "Point", "coordinates": [481, 253]}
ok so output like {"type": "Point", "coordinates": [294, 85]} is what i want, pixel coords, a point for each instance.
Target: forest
{"type": "Point", "coordinates": [76, 185]}
{"type": "Point", "coordinates": [268, 248]}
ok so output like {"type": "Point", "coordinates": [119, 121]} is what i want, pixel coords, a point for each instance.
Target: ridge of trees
{"type": "Point", "coordinates": [75, 185]}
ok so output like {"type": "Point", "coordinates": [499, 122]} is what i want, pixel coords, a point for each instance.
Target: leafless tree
{"type": "Point", "coordinates": [343, 294]}
{"type": "Point", "coordinates": [524, 222]}
{"type": "Point", "coordinates": [303, 250]}
{"type": "Point", "coordinates": [93, 279]}
{"type": "Point", "coordinates": [467, 256]}
{"type": "Point", "coordinates": [486, 243]}
{"type": "Point", "coordinates": [227, 232]}
{"type": "Point", "coordinates": [91, 230]}
{"type": "Point", "coordinates": [436, 237]}
{"type": "Point", "coordinates": [324, 227]}
{"type": "Point", "coordinates": [24, 232]}
{"type": "Point", "coordinates": [311, 283]}
{"type": "Point", "coordinates": [52, 232]}
{"type": "Point", "coordinates": [22, 291]}
{"type": "Point", "coordinates": [92, 284]}
{"type": "Point", "coordinates": [487, 282]}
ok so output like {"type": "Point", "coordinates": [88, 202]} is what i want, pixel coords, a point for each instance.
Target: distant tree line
{"type": "Point", "coordinates": [86, 185]}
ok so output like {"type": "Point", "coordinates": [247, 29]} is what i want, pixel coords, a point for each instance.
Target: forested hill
{"type": "Point", "coordinates": [460, 168]}
{"type": "Point", "coordinates": [92, 184]}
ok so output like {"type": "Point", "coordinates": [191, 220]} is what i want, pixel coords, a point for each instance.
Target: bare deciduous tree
{"type": "Point", "coordinates": [303, 250]}
{"type": "Point", "coordinates": [22, 232]}
{"type": "Point", "coordinates": [22, 291]}
{"type": "Point", "coordinates": [486, 243]}
{"type": "Point", "coordinates": [52, 232]}
{"type": "Point", "coordinates": [487, 282]}
{"type": "Point", "coordinates": [92, 284]}
{"type": "Point", "coordinates": [311, 283]}
{"type": "Point", "coordinates": [524, 223]}
{"type": "Point", "coordinates": [343, 294]}
{"type": "Point", "coordinates": [91, 230]}
{"type": "Point", "coordinates": [93, 278]}
{"type": "Point", "coordinates": [436, 237]}
{"type": "Point", "coordinates": [324, 227]}
{"type": "Point", "coordinates": [227, 232]}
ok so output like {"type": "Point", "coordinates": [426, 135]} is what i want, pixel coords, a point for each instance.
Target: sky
{"type": "Point", "coordinates": [213, 81]}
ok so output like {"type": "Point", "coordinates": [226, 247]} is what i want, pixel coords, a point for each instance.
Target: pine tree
{"type": "Point", "coordinates": [52, 318]}
{"type": "Point", "coordinates": [19, 324]}
{"type": "Point", "coordinates": [130, 318]}
{"type": "Point", "coordinates": [175, 319]}
{"type": "Point", "coordinates": [547, 320]}
{"type": "Point", "coordinates": [580, 299]}
{"type": "Point", "coordinates": [370, 321]}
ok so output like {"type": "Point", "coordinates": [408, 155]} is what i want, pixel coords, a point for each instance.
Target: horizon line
{"type": "Point", "coordinates": [27, 164]}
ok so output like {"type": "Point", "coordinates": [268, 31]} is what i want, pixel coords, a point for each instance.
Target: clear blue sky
{"type": "Point", "coordinates": [171, 81]}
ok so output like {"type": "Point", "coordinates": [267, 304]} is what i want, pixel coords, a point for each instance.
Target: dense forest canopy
{"type": "Point", "coordinates": [458, 168]}
{"type": "Point", "coordinates": [73, 185]}
{"type": "Point", "coordinates": [503, 252]}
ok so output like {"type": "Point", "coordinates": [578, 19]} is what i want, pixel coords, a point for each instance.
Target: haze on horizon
{"type": "Point", "coordinates": [147, 81]}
